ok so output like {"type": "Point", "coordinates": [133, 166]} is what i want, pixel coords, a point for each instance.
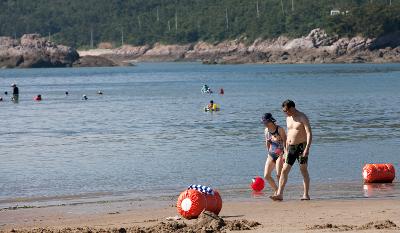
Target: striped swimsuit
{"type": "Point", "coordinates": [275, 141]}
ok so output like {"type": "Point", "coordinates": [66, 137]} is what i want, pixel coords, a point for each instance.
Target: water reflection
{"type": "Point", "coordinates": [256, 194]}
{"type": "Point", "coordinates": [379, 190]}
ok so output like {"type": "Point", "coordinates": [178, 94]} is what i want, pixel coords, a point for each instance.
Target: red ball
{"type": "Point", "coordinates": [257, 184]}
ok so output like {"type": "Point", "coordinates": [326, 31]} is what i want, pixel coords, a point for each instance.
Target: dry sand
{"type": "Point", "coordinates": [360, 215]}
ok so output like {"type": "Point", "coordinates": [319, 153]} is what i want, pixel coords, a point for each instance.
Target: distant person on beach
{"type": "Point", "coordinates": [298, 142]}
{"type": "Point", "coordinates": [221, 91]}
{"type": "Point", "coordinates": [275, 141]}
{"type": "Point", "coordinates": [66, 93]}
{"type": "Point", "coordinates": [15, 96]}
{"type": "Point", "coordinates": [1, 99]}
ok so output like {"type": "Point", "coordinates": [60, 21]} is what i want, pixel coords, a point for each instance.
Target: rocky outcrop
{"type": "Point", "coordinates": [161, 52]}
{"type": "Point", "coordinates": [131, 51]}
{"type": "Point", "coordinates": [204, 50]}
{"type": "Point", "coordinates": [316, 47]}
{"type": "Point", "coordinates": [33, 51]}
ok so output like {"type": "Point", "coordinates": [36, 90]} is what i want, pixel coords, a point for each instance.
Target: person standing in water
{"type": "Point", "coordinates": [210, 106]}
{"type": "Point", "coordinates": [299, 138]}
{"type": "Point", "coordinates": [15, 96]}
{"type": "Point", "coordinates": [275, 141]}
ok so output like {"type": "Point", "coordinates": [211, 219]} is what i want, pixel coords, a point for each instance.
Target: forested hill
{"type": "Point", "coordinates": [82, 23]}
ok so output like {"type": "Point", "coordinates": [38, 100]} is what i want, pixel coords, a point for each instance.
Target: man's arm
{"type": "Point", "coordinates": [307, 128]}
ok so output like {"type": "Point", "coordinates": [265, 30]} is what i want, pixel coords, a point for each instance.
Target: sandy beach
{"type": "Point", "coordinates": [361, 215]}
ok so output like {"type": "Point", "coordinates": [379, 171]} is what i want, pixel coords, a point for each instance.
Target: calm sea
{"type": "Point", "coordinates": [148, 136]}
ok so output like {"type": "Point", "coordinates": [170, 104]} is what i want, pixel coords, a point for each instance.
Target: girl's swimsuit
{"type": "Point", "coordinates": [276, 147]}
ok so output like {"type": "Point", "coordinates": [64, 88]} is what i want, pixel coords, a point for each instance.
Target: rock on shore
{"type": "Point", "coordinates": [316, 47]}
{"type": "Point", "coordinates": [33, 51]}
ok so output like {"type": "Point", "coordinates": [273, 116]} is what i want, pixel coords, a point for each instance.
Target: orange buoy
{"type": "Point", "coordinates": [378, 173]}
{"type": "Point", "coordinates": [191, 203]}
{"type": "Point", "coordinates": [213, 202]}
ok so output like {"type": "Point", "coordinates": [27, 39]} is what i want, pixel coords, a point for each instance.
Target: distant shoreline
{"type": "Point", "coordinates": [315, 48]}
{"type": "Point", "coordinates": [34, 51]}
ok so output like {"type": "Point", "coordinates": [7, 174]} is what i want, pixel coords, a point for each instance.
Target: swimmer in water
{"type": "Point", "coordinates": [210, 105]}
{"type": "Point", "coordinates": [38, 98]}
{"type": "Point", "coordinates": [15, 96]}
{"type": "Point", "coordinates": [84, 97]}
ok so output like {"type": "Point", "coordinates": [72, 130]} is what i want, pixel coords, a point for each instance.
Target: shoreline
{"type": "Point", "coordinates": [319, 191]}
{"type": "Point", "coordinates": [286, 216]}
{"type": "Point", "coordinates": [33, 51]}
{"type": "Point", "coordinates": [316, 48]}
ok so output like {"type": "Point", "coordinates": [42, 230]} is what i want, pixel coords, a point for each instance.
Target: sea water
{"type": "Point", "coordinates": [148, 134]}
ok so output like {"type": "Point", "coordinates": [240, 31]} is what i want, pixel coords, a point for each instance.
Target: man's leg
{"type": "Point", "coordinates": [269, 166]}
{"type": "Point", "coordinates": [306, 181]}
{"type": "Point", "coordinates": [282, 182]}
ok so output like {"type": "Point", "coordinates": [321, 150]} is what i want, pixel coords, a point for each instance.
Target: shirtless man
{"type": "Point", "coordinates": [299, 138]}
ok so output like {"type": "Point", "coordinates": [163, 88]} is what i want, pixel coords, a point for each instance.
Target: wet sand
{"type": "Point", "coordinates": [361, 215]}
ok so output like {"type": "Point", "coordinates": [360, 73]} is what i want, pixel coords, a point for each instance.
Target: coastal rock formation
{"type": "Point", "coordinates": [316, 47]}
{"type": "Point", "coordinates": [161, 52]}
{"type": "Point", "coordinates": [131, 51]}
{"type": "Point", "coordinates": [204, 50]}
{"type": "Point", "coordinates": [33, 51]}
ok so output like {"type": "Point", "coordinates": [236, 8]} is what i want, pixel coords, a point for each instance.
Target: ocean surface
{"type": "Point", "coordinates": [148, 135]}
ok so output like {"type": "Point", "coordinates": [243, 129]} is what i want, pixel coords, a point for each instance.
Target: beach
{"type": "Point", "coordinates": [119, 160]}
{"type": "Point", "coordinates": [361, 215]}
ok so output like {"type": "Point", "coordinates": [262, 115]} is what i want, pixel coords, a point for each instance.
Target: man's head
{"type": "Point", "coordinates": [211, 101]}
{"type": "Point", "coordinates": [288, 107]}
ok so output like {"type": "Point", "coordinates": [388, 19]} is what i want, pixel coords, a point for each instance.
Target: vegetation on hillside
{"type": "Point", "coordinates": [82, 23]}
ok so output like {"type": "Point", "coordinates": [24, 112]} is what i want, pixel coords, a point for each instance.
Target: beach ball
{"type": "Point", "coordinates": [257, 184]}
{"type": "Point", "coordinates": [191, 203]}
{"type": "Point", "coordinates": [213, 202]}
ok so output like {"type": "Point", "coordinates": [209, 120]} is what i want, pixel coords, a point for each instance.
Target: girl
{"type": "Point", "coordinates": [275, 140]}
